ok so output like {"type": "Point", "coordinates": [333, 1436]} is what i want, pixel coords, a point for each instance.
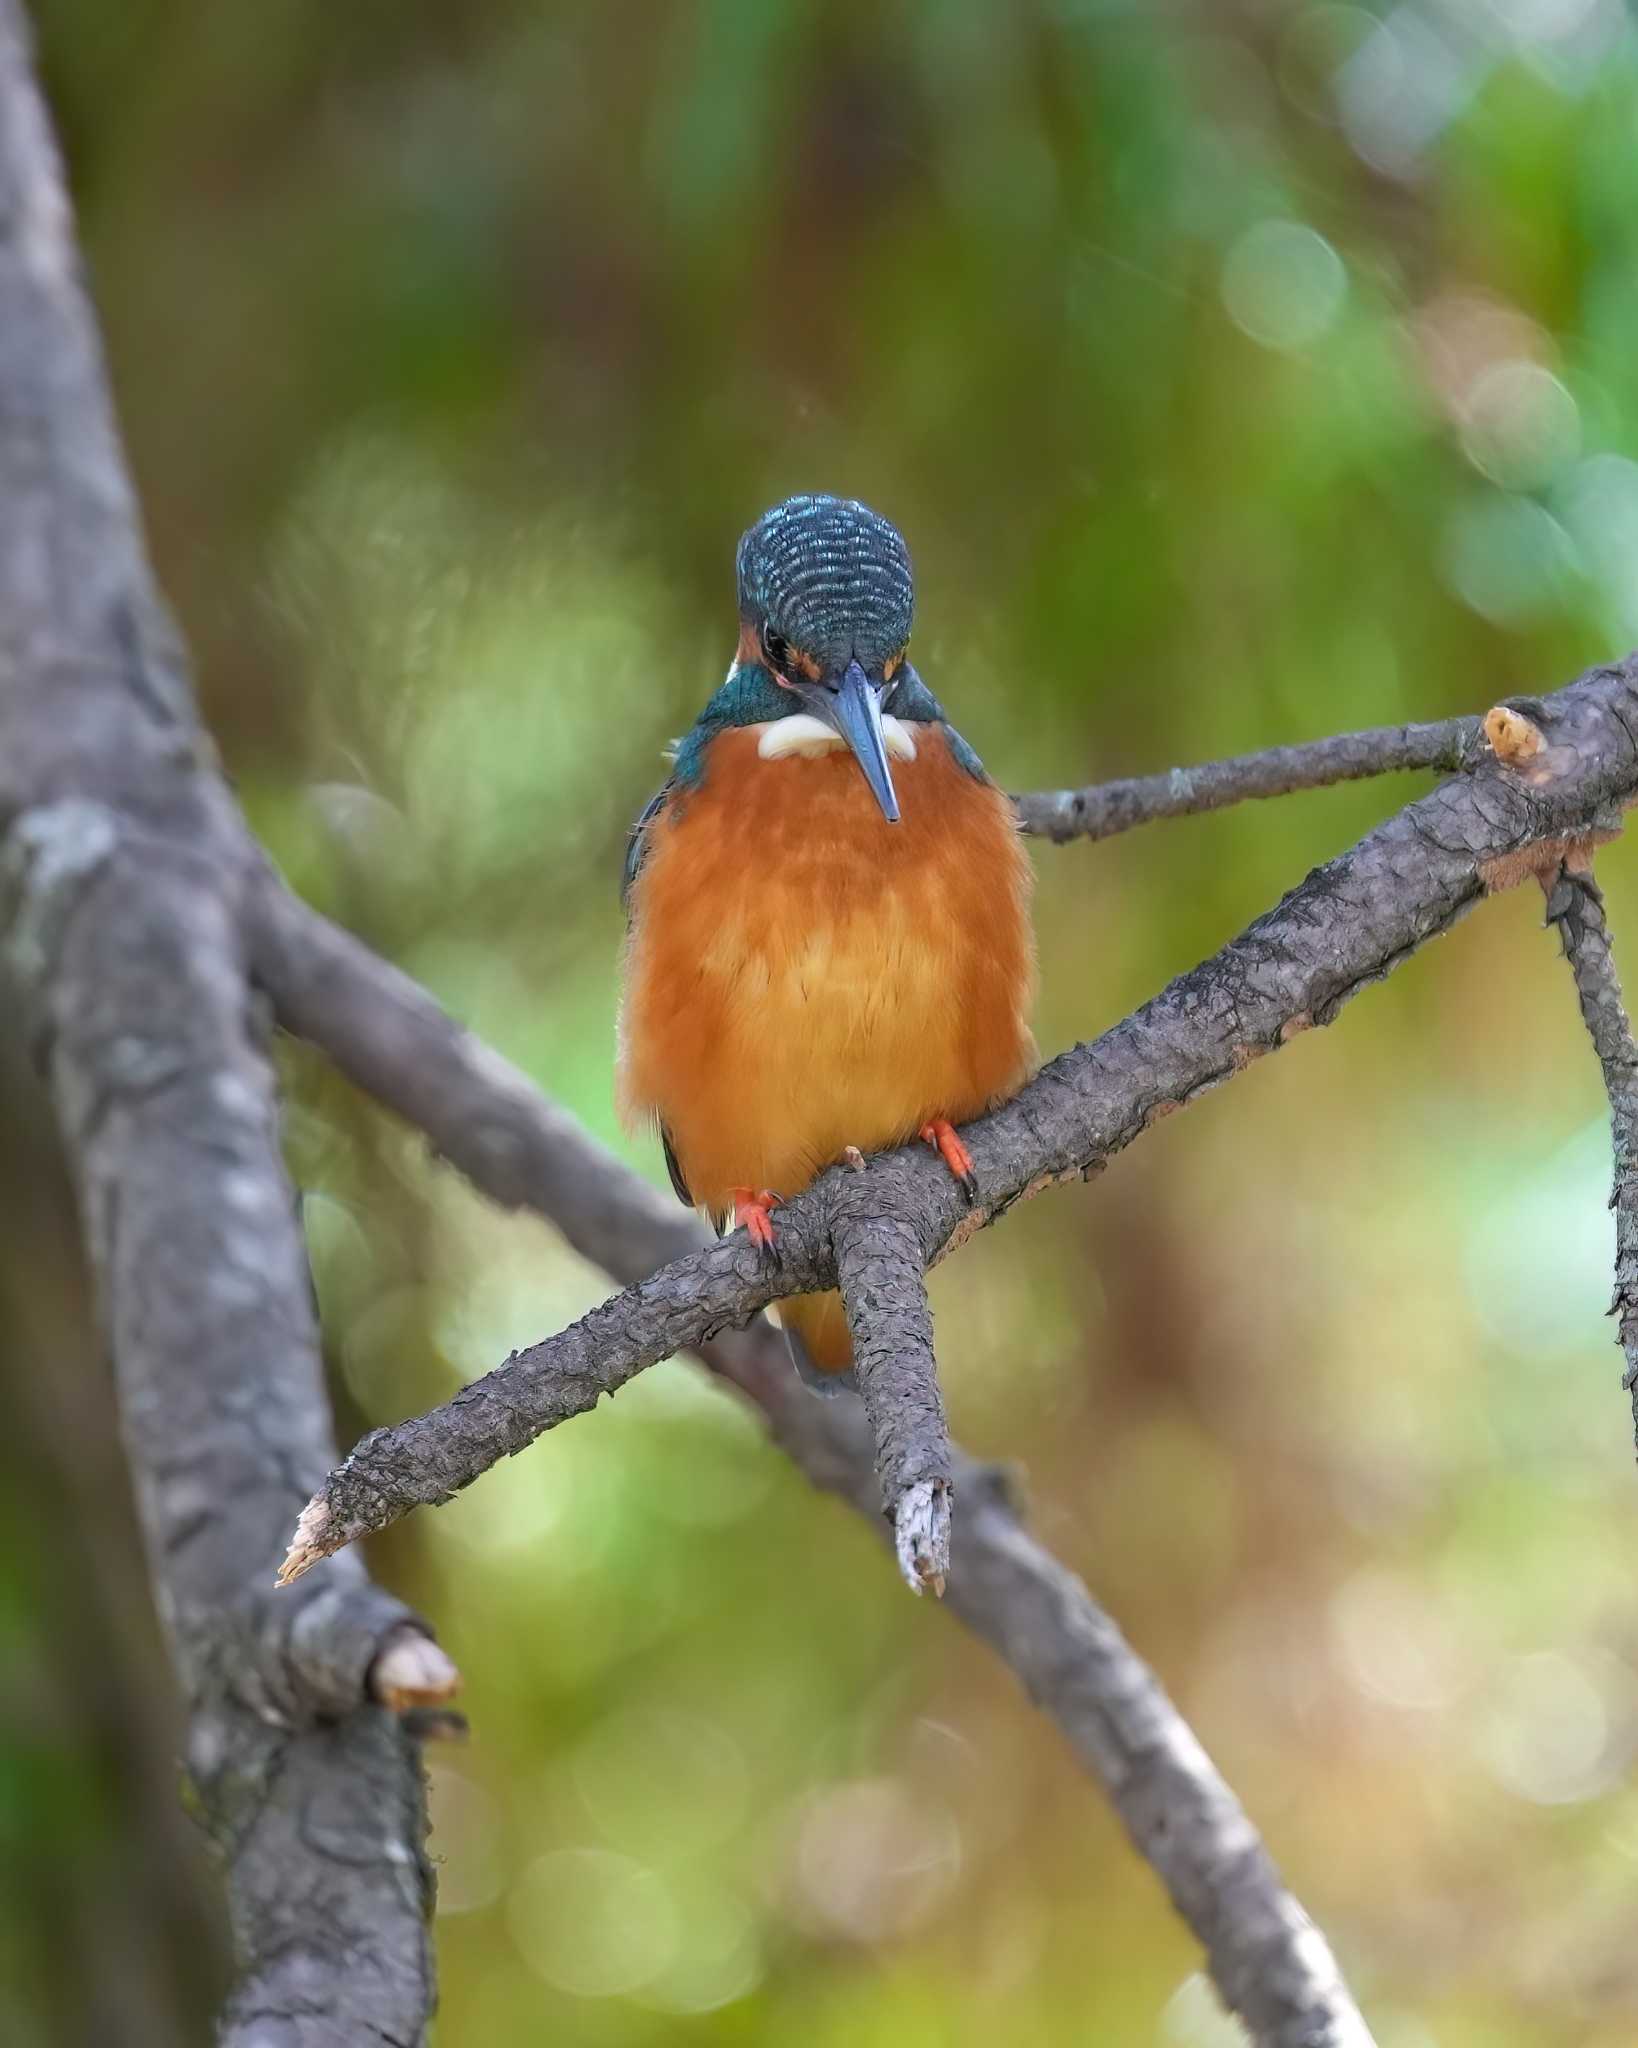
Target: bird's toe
{"type": "Point", "coordinates": [753, 1213]}
{"type": "Point", "coordinates": [941, 1135]}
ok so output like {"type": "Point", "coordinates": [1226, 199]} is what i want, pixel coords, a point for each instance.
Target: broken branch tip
{"type": "Point", "coordinates": [308, 1545]}
{"type": "Point", "coordinates": [921, 1536]}
{"type": "Point", "coordinates": [412, 1673]}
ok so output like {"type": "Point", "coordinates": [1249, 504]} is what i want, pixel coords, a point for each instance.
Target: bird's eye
{"type": "Point", "coordinates": [776, 650]}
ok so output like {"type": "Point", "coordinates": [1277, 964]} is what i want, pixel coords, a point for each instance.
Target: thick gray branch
{"type": "Point", "coordinates": [122, 872]}
{"type": "Point", "coordinates": [1104, 809]}
{"type": "Point", "coordinates": [1576, 906]}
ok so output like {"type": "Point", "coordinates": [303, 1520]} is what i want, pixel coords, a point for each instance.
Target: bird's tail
{"type": "Point", "coordinates": [821, 1323]}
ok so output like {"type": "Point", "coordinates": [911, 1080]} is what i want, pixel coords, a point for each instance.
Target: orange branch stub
{"type": "Point", "coordinates": [1514, 739]}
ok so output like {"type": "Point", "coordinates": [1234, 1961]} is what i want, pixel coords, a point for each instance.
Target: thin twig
{"type": "Point", "coordinates": [1105, 808]}
{"type": "Point", "coordinates": [1575, 905]}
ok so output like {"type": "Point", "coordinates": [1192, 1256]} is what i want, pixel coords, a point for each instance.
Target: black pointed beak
{"type": "Point", "coordinates": [854, 707]}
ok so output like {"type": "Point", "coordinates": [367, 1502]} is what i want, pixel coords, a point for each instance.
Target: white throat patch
{"type": "Point", "coordinates": [805, 737]}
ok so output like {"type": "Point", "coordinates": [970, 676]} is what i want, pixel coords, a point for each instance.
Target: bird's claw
{"type": "Point", "coordinates": [753, 1213]}
{"type": "Point", "coordinates": [941, 1135]}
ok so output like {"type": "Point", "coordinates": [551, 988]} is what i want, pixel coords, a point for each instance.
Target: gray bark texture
{"type": "Point", "coordinates": [123, 867]}
{"type": "Point", "coordinates": [878, 1266]}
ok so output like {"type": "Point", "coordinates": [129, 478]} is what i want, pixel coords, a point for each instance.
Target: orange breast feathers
{"type": "Point", "coordinates": [802, 976]}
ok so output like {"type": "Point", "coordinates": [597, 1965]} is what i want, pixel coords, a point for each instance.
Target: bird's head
{"type": "Point", "coordinates": [825, 602]}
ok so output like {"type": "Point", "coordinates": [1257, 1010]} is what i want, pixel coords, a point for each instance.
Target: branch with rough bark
{"type": "Point", "coordinates": [123, 873]}
{"type": "Point", "coordinates": [1350, 923]}
{"type": "Point", "coordinates": [896, 1372]}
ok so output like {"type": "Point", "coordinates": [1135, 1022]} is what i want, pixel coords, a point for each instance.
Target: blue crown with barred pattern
{"type": "Point", "coordinates": [832, 577]}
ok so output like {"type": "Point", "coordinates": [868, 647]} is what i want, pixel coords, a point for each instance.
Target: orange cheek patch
{"type": "Point", "coordinates": [749, 654]}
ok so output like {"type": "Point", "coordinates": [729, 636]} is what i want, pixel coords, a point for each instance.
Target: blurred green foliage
{"type": "Point", "coordinates": [1238, 373]}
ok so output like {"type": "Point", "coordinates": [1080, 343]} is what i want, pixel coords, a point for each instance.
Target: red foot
{"type": "Point", "coordinates": [753, 1214]}
{"type": "Point", "coordinates": [941, 1135]}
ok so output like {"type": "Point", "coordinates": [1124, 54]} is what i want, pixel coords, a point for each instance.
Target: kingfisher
{"type": "Point", "coordinates": [829, 949]}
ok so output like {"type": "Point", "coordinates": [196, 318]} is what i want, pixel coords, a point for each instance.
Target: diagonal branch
{"type": "Point", "coordinates": [1348, 924]}
{"type": "Point", "coordinates": [1575, 904]}
{"type": "Point", "coordinates": [1106, 808]}
{"type": "Point", "coordinates": [1269, 1961]}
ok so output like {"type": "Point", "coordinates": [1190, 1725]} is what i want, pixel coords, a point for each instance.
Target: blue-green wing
{"type": "Point", "coordinates": [637, 839]}
{"type": "Point", "coordinates": [636, 853]}
{"type": "Point", "coordinates": [676, 1173]}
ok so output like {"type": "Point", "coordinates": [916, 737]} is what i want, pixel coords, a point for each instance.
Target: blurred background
{"type": "Point", "coordinates": [1239, 373]}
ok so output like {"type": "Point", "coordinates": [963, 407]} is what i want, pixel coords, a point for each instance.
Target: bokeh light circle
{"type": "Point", "coordinates": [1283, 284]}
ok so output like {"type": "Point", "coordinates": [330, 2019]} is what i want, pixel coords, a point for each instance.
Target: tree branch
{"type": "Point", "coordinates": [1270, 1963]}
{"type": "Point", "coordinates": [1348, 924]}
{"type": "Point", "coordinates": [1522, 809]}
{"type": "Point", "coordinates": [122, 871]}
{"type": "Point", "coordinates": [879, 1269]}
{"type": "Point", "coordinates": [1575, 904]}
{"type": "Point", "coordinates": [1106, 808]}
